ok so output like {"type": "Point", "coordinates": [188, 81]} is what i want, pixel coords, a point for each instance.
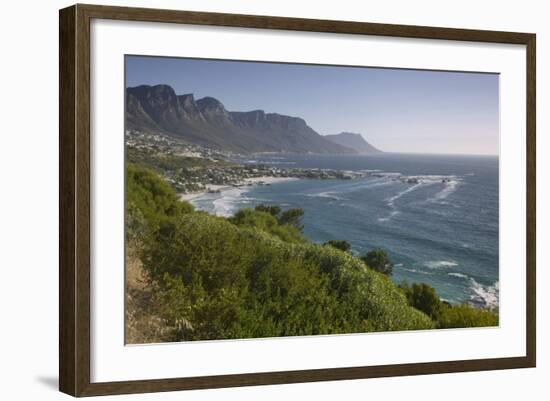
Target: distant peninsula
{"type": "Point", "coordinates": [206, 122]}
{"type": "Point", "coordinates": [353, 141]}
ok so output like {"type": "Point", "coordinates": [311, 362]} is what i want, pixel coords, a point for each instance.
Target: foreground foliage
{"type": "Point", "coordinates": [446, 316]}
{"type": "Point", "coordinates": [255, 274]}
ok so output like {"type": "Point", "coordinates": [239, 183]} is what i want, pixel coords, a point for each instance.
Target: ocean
{"type": "Point", "coordinates": [435, 215]}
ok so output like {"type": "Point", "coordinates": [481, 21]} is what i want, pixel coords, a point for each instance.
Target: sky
{"type": "Point", "coordinates": [396, 110]}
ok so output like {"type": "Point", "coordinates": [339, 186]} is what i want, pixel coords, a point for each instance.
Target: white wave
{"type": "Point", "coordinates": [450, 182]}
{"type": "Point", "coordinates": [448, 189]}
{"type": "Point", "coordinates": [392, 200]}
{"type": "Point", "coordinates": [459, 275]}
{"type": "Point", "coordinates": [436, 264]}
{"type": "Point", "coordinates": [416, 271]}
{"type": "Point", "coordinates": [418, 181]}
{"type": "Point", "coordinates": [483, 295]}
{"type": "Point", "coordinates": [328, 195]}
{"type": "Point", "coordinates": [387, 174]}
{"type": "Point", "coordinates": [388, 217]}
{"type": "Point", "coordinates": [228, 202]}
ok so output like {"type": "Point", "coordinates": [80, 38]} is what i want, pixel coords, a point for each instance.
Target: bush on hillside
{"type": "Point", "coordinates": [343, 245]}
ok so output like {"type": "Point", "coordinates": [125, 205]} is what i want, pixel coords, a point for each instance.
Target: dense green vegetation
{"type": "Point", "coordinates": [456, 316]}
{"type": "Point", "coordinates": [256, 275]}
{"type": "Point", "coordinates": [423, 297]}
{"type": "Point", "coordinates": [268, 223]}
{"type": "Point", "coordinates": [150, 202]}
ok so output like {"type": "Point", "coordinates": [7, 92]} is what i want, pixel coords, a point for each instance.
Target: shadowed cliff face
{"type": "Point", "coordinates": [207, 122]}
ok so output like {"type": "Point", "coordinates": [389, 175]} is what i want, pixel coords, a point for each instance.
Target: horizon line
{"type": "Point", "coordinates": [442, 154]}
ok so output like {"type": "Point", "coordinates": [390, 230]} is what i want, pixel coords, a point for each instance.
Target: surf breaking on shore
{"type": "Point", "coordinates": [230, 193]}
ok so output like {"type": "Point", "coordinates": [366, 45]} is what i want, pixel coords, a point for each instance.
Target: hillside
{"type": "Point", "coordinates": [353, 141]}
{"type": "Point", "coordinates": [248, 276]}
{"type": "Point", "coordinates": [206, 122]}
{"type": "Point", "coordinates": [195, 276]}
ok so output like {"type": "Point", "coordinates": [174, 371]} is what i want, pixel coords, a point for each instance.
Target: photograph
{"type": "Point", "coordinates": [270, 199]}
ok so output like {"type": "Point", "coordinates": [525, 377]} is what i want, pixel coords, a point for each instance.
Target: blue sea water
{"type": "Point", "coordinates": [440, 228]}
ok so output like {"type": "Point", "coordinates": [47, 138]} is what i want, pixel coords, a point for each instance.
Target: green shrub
{"type": "Point", "coordinates": [268, 223]}
{"type": "Point", "coordinates": [423, 297]}
{"type": "Point", "coordinates": [292, 217]}
{"type": "Point", "coordinates": [378, 260]}
{"type": "Point", "coordinates": [343, 245]}
{"type": "Point", "coordinates": [150, 198]}
{"type": "Point", "coordinates": [273, 210]}
{"type": "Point", "coordinates": [457, 316]}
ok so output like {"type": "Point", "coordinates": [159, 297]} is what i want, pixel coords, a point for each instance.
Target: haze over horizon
{"type": "Point", "coordinates": [396, 110]}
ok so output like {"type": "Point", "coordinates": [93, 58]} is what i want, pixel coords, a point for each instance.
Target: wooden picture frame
{"type": "Point", "coordinates": [74, 200]}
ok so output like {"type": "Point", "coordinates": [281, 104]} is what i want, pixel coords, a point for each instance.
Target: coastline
{"type": "Point", "coordinates": [210, 188]}
{"type": "Point", "coordinates": [435, 189]}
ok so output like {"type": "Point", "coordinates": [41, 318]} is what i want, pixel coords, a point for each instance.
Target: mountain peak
{"type": "Point", "coordinates": [163, 90]}
{"type": "Point", "coordinates": [187, 100]}
{"type": "Point", "coordinates": [210, 104]}
{"type": "Point", "coordinates": [160, 90]}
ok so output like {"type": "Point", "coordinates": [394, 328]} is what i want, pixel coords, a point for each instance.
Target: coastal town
{"type": "Point", "coordinates": [193, 170]}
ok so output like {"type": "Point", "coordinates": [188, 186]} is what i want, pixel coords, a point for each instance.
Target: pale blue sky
{"type": "Point", "coordinates": [396, 110]}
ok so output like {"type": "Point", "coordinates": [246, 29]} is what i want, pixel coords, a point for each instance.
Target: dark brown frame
{"type": "Point", "coordinates": [74, 199]}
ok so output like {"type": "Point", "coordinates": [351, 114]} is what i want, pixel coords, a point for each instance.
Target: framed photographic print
{"type": "Point", "coordinates": [250, 200]}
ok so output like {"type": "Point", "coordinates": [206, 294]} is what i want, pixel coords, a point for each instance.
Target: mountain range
{"type": "Point", "coordinates": [207, 122]}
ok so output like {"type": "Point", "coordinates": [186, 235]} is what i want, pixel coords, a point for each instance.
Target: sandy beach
{"type": "Point", "coordinates": [246, 182]}
{"type": "Point", "coordinates": [267, 180]}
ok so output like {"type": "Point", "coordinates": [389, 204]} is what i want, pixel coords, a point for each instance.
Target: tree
{"type": "Point", "coordinates": [343, 245]}
{"type": "Point", "coordinates": [424, 298]}
{"type": "Point", "coordinates": [292, 217]}
{"type": "Point", "coordinates": [273, 210]}
{"type": "Point", "coordinates": [378, 260]}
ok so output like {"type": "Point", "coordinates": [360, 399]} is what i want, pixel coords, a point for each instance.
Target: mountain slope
{"type": "Point", "coordinates": [353, 141]}
{"type": "Point", "coordinates": [207, 122]}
